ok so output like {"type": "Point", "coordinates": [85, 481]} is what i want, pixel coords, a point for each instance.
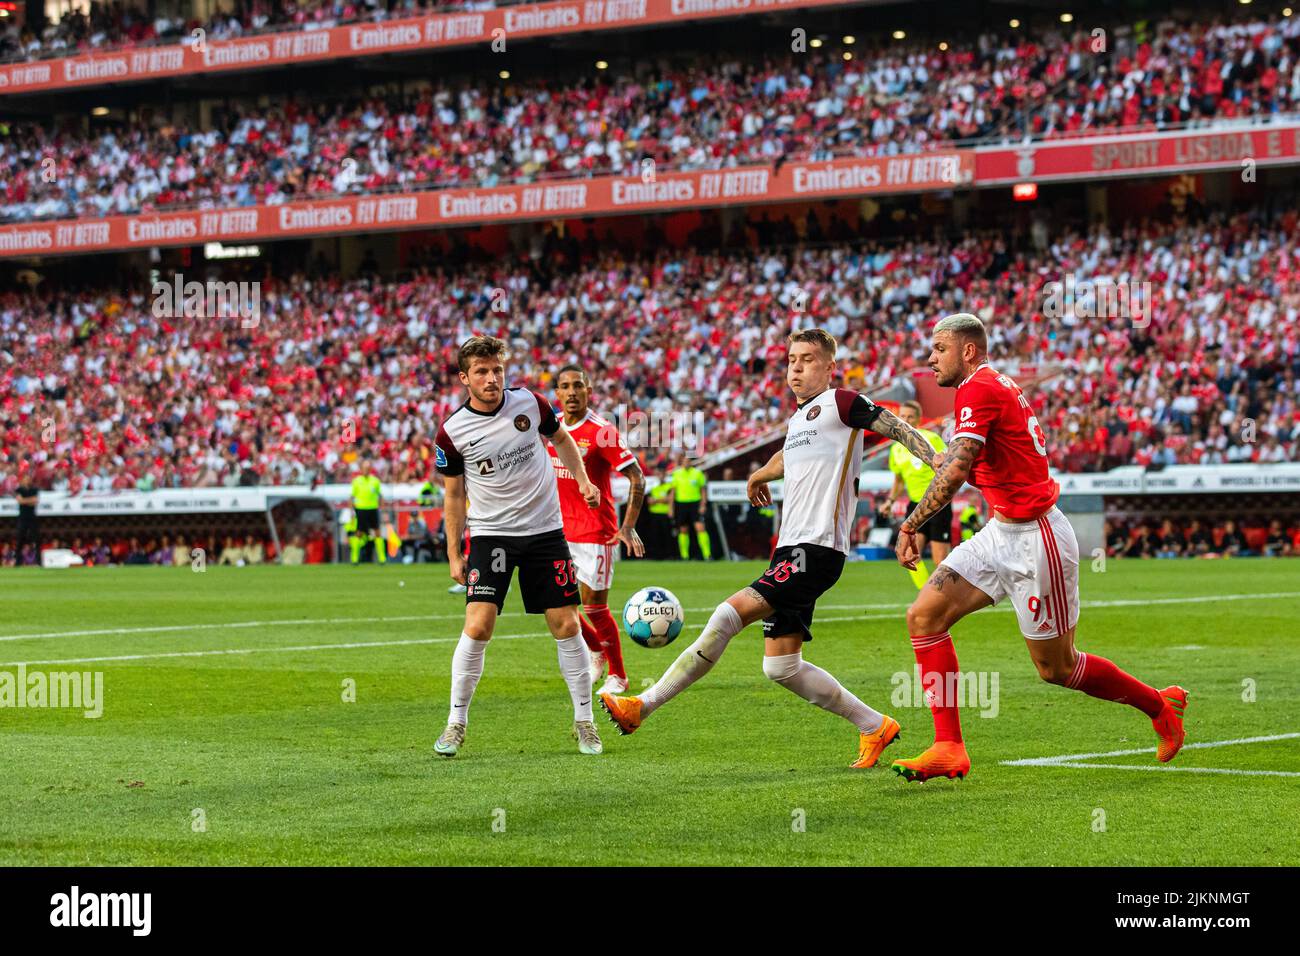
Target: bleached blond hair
{"type": "Point", "coordinates": [967, 328]}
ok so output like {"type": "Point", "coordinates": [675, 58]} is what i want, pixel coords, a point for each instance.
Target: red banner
{"type": "Point", "coordinates": [1136, 154]}
{"type": "Point", "coordinates": [563, 198]}
{"type": "Point", "coordinates": [440, 31]}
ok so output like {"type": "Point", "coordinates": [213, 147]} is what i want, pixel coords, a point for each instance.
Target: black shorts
{"type": "Point", "coordinates": [687, 513]}
{"type": "Point", "coordinates": [796, 577]}
{"type": "Point", "coordinates": [367, 520]}
{"type": "Point", "coordinates": [546, 577]}
{"type": "Point", "coordinates": [939, 527]}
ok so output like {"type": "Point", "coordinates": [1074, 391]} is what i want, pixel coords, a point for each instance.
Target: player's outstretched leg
{"type": "Point", "coordinates": [1059, 663]}
{"type": "Point", "coordinates": [791, 671]}
{"type": "Point", "coordinates": [627, 713]}
{"type": "Point", "coordinates": [466, 669]}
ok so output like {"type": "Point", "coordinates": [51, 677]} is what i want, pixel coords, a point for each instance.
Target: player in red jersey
{"type": "Point", "coordinates": [1028, 553]}
{"type": "Point", "coordinates": [593, 533]}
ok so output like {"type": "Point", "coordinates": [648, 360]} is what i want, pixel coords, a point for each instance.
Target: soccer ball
{"type": "Point", "coordinates": [653, 617]}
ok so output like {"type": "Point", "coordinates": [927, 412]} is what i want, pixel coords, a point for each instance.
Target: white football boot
{"type": "Point", "coordinates": [452, 739]}
{"type": "Point", "coordinates": [617, 686]}
{"type": "Point", "coordinates": [584, 731]}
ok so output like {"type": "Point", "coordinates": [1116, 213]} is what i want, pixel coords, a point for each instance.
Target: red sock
{"type": "Point", "coordinates": [590, 637]}
{"type": "Point", "coordinates": [1098, 677]}
{"type": "Point", "coordinates": [938, 660]}
{"type": "Point", "coordinates": [608, 631]}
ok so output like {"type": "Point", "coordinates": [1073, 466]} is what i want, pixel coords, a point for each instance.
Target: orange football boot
{"type": "Point", "coordinates": [870, 745]}
{"type": "Point", "coordinates": [625, 712]}
{"type": "Point", "coordinates": [1169, 725]}
{"type": "Point", "coordinates": [945, 758]}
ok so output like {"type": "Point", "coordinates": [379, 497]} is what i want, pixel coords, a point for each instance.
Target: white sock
{"type": "Point", "coordinates": [575, 665]}
{"type": "Point", "coordinates": [813, 684]}
{"type": "Point", "coordinates": [466, 669]}
{"type": "Point", "coordinates": [696, 661]}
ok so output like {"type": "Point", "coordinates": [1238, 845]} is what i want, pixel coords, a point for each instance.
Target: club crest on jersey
{"type": "Point", "coordinates": [814, 412]}
{"type": "Point", "coordinates": [522, 422]}
{"type": "Point", "coordinates": [473, 577]}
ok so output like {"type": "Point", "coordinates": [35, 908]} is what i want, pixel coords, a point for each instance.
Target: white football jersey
{"type": "Point", "coordinates": [509, 479]}
{"type": "Point", "coordinates": [823, 459]}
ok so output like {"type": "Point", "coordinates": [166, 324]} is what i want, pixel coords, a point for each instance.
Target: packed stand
{"type": "Point", "coordinates": [174, 550]}
{"type": "Point", "coordinates": [127, 26]}
{"type": "Point", "coordinates": [1202, 539]}
{"type": "Point", "coordinates": [708, 115]}
{"type": "Point", "coordinates": [331, 366]}
{"type": "Point", "coordinates": [1176, 75]}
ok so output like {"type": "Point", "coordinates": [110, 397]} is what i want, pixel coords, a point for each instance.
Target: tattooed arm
{"type": "Point", "coordinates": [627, 530]}
{"type": "Point", "coordinates": [949, 476]}
{"type": "Point", "coordinates": [891, 426]}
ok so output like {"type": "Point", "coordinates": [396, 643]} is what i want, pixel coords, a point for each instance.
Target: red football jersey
{"type": "Point", "coordinates": [603, 453]}
{"type": "Point", "coordinates": [1011, 471]}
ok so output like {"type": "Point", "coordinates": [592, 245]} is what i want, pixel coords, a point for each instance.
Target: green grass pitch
{"type": "Point", "coordinates": [225, 738]}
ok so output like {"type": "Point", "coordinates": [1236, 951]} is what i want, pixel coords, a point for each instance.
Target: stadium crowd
{"type": "Point", "coordinates": [467, 134]}
{"type": "Point", "coordinates": [718, 111]}
{"type": "Point", "coordinates": [173, 550]}
{"type": "Point", "coordinates": [99, 393]}
{"type": "Point", "coordinates": [124, 25]}
{"type": "Point", "coordinates": [1201, 539]}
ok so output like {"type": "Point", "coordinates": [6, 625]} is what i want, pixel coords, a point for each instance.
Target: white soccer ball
{"type": "Point", "coordinates": [653, 617]}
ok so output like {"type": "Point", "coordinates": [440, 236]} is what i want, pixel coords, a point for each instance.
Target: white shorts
{"type": "Point", "coordinates": [1036, 563]}
{"type": "Point", "coordinates": [594, 564]}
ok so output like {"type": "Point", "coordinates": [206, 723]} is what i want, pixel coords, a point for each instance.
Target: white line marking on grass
{"type": "Point", "coordinates": [1199, 599]}
{"type": "Point", "coordinates": [312, 622]}
{"type": "Point", "coordinates": [235, 652]}
{"type": "Point", "coordinates": [1168, 767]}
{"type": "Point", "coordinates": [171, 628]}
{"type": "Point", "coordinates": [1073, 760]}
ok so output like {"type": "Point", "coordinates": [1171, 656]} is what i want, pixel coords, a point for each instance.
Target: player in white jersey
{"type": "Point", "coordinates": [820, 461]}
{"type": "Point", "coordinates": [496, 445]}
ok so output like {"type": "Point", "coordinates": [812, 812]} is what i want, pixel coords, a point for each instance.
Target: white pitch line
{"type": "Point", "coordinates": [1199, 599]}
{"type": "Point", "coordinates": [1168, 768]}
{"type": "Point", "coordinates": [1074, 760]}
{"type": "Point", "coordinates": [1203, 745]}
{"type": "Point", "coordinates": [172, 628]}
{"type": "Point", "coordinates": [235, 652]}
{"type": "Point", "coordinates": [311, 622]}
